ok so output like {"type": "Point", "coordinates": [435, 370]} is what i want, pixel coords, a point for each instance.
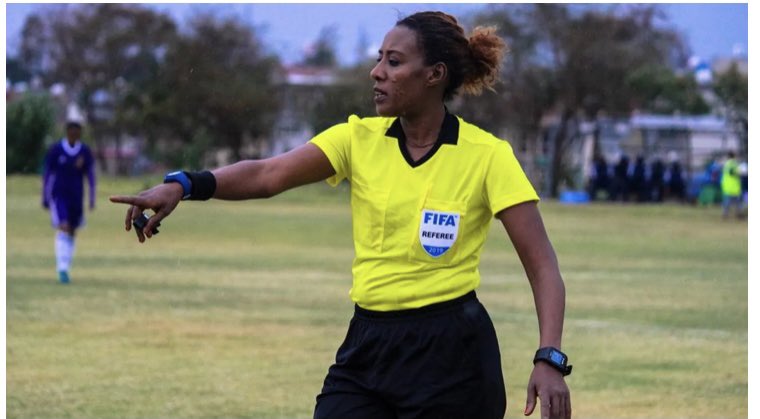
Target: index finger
{"type": "Point", "coordinates": [124, 199]}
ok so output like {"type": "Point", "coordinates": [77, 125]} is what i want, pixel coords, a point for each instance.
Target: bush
{"type": "Point", "coordinates": [28, 122]}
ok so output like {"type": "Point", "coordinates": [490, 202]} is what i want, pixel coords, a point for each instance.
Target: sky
{"type": "Point", "coordinates": [711, 30]}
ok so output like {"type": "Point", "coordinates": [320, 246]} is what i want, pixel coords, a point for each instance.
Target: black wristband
{"type": "Point", "coordinates": [203, 185]}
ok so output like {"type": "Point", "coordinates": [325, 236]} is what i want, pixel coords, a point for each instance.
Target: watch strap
{"type": "Point", "coordinates": [555, 358]}
{"type": "Point", "coordinates": [181, 178]}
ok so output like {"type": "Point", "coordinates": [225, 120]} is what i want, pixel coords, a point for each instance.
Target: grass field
{"type": "Point", "coordinates": [236, 309]}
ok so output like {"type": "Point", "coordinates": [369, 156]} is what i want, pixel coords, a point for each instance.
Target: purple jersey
{"type": "Point", "coordinates": [65, 169]}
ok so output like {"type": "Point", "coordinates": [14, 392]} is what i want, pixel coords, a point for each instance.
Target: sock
{"type": "Point", "coordinates": [64, 251]}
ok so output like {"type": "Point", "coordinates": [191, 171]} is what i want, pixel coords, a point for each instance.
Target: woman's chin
{"type": "Point", "coordinates": [384, 110]}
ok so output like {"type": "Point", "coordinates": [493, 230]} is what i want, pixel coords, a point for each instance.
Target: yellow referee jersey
{"type": "Point", "coordinates": [419, 227]}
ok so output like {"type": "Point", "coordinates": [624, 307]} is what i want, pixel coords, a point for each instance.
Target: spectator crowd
{"type": "Point", "coordinates": [657, 180]}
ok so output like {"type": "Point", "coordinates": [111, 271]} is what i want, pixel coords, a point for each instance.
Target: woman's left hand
{"type": "Point", "coordinates": [549, 386]}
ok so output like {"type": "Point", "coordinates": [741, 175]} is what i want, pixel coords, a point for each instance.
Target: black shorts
{"type": "Point", "coordinates": [439, 361]}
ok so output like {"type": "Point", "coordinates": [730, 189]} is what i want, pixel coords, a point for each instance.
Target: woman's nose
{"type": "Point", "coordinates": [377, 72]}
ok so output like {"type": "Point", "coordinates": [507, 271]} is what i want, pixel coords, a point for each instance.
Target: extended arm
{"type": "Point", "coordinates": [91, 183]}
{"type": "Point", "coordinates": [526, 230]}
{"type": "Point", "coordinates": [249, 179]}
{"type": "Point", "coordinates": [252, 179]}
{"type": "Point", "coordinates": [47, 183]}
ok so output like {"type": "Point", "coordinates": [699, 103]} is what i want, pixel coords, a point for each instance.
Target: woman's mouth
{"type": "Point", "coordinates": [380, 95]}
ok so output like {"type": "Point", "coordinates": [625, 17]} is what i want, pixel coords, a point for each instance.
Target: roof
{"type": "Point", "coordinates": [689, 122]}
{"type": "Point", "coordinates": [310, 76]}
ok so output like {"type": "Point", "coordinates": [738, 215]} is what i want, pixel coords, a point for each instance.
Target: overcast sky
{"type": "Point", "coordinates": [711, 30]}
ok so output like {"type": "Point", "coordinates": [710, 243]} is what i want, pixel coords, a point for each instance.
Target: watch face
{"type": "Point", "coordinates": [557, 357]}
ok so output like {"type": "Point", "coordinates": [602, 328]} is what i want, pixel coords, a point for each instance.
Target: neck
{"type": "Point", "coordinates": [422, 130]}
{"type": "Point", "coordinates": [71, 141]}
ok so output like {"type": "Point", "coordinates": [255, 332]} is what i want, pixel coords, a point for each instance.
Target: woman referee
{"type": "Point", "coordinates": [425, 185]}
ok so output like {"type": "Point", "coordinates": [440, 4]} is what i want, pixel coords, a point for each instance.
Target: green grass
{"type": "Point", "coordinates": [236, 309]}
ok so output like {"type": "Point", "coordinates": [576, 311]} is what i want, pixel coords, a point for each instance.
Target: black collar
{"type": "Point", "coordinates": [449, 134]}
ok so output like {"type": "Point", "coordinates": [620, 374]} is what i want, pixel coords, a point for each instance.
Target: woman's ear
{"type": "Point", "coordinates": [438, 74]}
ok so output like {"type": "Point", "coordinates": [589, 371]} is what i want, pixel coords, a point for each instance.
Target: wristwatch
{"type": "Point", "coordinates": [555, 358]}
{"type": "Point", "coordinates": [181, 178]}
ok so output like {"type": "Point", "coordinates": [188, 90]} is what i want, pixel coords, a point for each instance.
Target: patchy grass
{"type": "Point", "coordinates": [236, 309]}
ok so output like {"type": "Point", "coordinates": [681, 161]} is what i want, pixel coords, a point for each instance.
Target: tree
{"type": "Point", "coordinates": [29, 121]}
{"type": "Point", "coordinates": [34, 45]}
{"type": "Point", "coordinates": [350, 92]}
{"type": "Point", "coordinates": [573, 63]}
{"type": "Point", "coordinates": [596, 51]}
{"type": "Point", "coordinates": [352, 95]}
{"type": "Point", "coordinates": [659, 89]}
{"type": "Point", "coordinates": [322, 52]}
{"type": "Point", "coordinates": [101, 51]}
{"type": "Point", "coordinates": [16, 71]}
{"type": "Point", "coordinates": [732, 89]}
{"type": "Point", "coordinates": [216, 87]}
{"type": "Point", "coordinates": [593, 54]}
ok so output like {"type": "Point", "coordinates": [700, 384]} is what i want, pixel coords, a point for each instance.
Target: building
{"type": "Point", "coordinates": [694, 140]}
{"type": "Point", "coordinates": [298, 88]}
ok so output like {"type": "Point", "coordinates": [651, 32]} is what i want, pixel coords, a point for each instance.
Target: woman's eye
{"type": "Point", "coordinates": [393, 63]}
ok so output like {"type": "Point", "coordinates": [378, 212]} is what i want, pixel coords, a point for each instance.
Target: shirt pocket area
{"type": "Point", "coordinates": [368, 207]}
{"type": "Point", "coordinates": [437, 234]}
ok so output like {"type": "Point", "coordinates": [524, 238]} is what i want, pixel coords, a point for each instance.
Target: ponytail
{"type": "Point", "coordinates": [487, 51]}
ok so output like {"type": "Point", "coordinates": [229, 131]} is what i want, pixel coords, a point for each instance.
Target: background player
{"type": "Point", "coordinates": [67, 162]}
